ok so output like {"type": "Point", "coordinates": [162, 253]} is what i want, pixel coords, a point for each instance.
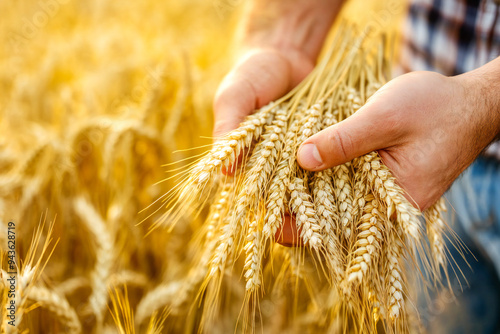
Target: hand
{"type": "Point", "coordinates": [426, 127]}
{"type": "Point", "coordinates": [263, 75]}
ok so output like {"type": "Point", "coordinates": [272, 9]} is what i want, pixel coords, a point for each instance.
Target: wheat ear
{"type": "Point", "coordinates": [344, 196]}
{"type": "Point", "coordinates": [24, 284]}
{"type": "Point", "coordinates": [104, 255]}
{"type": "Point", "coordinates": [225, 246]}
{"type": "Point", "coordinates": [305, 214]}
{"type": "Point", "coordinates": [376, 305]}
{"type": "Point", "coordinates": [327, 214]}
{"type": "Point", "coordinates": [435, 230]}
{"type": "Point", "coordinates": [275, 202]}
{"type": "Point", "coordinates": [368, 241]}
{"type": "Point", "coordinates": [253, 249]}
{"type": "Point", "coordinates": [31, 269]}
{"type": "Point", "coordinates": [157, 298]}
{"type": "Point", "coordinates": [391, 194]}
{"type": "Point", "coordinates": [58, 305]}
{"type": "Point", "coordinates": [394, 279]}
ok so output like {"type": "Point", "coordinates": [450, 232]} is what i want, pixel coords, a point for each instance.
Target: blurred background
{"type": "Point", "coordinates": [95, 96]}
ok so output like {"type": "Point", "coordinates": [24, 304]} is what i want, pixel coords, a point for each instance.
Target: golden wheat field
{"type": "Point", "coordinates": [98, 99]}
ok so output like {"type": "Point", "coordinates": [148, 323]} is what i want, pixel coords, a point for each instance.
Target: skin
{"type": "Point", "coordinates": [427, 128]}
{"type": "Point", "coordinates": [280, 43]}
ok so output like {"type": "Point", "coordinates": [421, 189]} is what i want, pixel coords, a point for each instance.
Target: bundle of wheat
{"type": "Point", "coordinates": [353, 220]}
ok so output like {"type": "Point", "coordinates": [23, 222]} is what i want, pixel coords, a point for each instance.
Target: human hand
{"type": "Point", "coordinates": [426, 127]}
{"type": "Point", "coordinates": [263, 75]}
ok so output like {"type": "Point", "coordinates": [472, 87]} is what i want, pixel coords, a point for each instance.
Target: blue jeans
{"type": "Point", "coordinates": [474, 215]}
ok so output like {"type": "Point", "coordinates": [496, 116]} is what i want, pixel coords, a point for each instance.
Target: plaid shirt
{"type": "Point", "coordinates": [452, 37]}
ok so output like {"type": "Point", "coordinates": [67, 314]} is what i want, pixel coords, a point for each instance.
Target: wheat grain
{"type": "Point", "coordinates": [360, 189]}
{"type": "Point", "coordinates": [224, 248]}
{"type": "Point", "coordinates": [376, 305]}
{"type": "Point", "coordinates": [311, 123]}
{"type": "Point", "coordinates": [219, 209]}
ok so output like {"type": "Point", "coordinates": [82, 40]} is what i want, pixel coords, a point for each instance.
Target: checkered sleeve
{"type": "Point", "coordinates": [451, 37]}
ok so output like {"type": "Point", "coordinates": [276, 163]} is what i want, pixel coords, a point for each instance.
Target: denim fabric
{"type": "Point", "coordinates": [475, 199]}
{"type": "Point", "coordinates": [474, 214]}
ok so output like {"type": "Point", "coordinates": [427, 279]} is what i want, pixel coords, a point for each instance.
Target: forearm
{"type": "Point", "coordinates": [297, 25]}
{"type": "Point", "coordinates": [483, 87]}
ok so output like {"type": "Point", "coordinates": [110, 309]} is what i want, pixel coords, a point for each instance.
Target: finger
{"type": "Point", "coordinates": [288, 235]}
{"type": "Point", "coordinates": [371, 128]}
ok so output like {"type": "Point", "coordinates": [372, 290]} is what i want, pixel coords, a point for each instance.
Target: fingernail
{"type": "Point", "coordinates": [309, 156]}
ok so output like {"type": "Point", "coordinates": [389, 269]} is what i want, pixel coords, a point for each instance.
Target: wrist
{"type": "Point", "coordinates": [298, 26]}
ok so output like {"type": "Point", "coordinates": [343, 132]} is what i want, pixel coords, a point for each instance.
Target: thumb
{"type": "Point", "coordinates": [370, 128]}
